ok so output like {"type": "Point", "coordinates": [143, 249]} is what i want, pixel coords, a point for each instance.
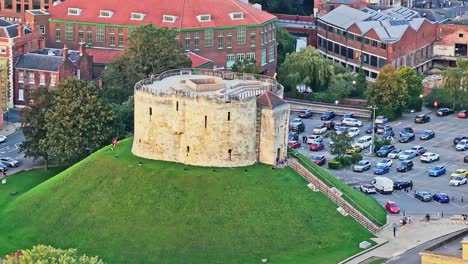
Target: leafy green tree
{"type": "Point", "coordinates": [388, 92]}
{"type": "Point", "coordinates": [33, 119]}
{"type": "Point", "coordinates": [123, 117]}
{"type": "Point", "coordinates": [360, 84]}
{"type": "Point", "coordinates": [341, 143]}
{"type": "Point", "coordinates": [246, 66]}
{"type": "Point", "coordinates": [456, 83]}
{"type": "Point", "coordinates": [49, 254]}
{"type": "Point", "coordinates": [286, 44]}
{"type": "Point", "coordinates": [414, 87]}
{"type": "Point", "coordinates": [78, 123]}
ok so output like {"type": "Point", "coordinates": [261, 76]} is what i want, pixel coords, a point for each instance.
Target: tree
{"type": "Point", "coordinates": [33, 119]}
{"type": "Point", "coordinates": [414, 87]}
{"type": "Point", "coordinates": [78, 123]}
{"type": "Point", "coordinates": [124, 118]}
{"type": "Point", "coordinates": [341, 143]}
{"type": "Point", "coordinates": [246, 66]}
{"type": "Point", "coordinates": [49, 254]}
{"type": "Point", "coordinates": [388, 92]}
{"type": "Point", "coordinates": [286, 44]}
{"type": "Point", "coordinates": [456, 83]}
{"type": "Point", "coordinates": [361, 84]}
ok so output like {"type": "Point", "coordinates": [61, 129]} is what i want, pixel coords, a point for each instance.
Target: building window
{"type": "Point", "coordinates": [231, 59]}
{"type": "Point", "coordinates": [209, 38]}
{"type": "Point", "coordinates": [204, 18]}
{"type": "Point", "coordinates": [350, 36]}
{"type": "Point", "coordinates": [460, 35]}
{"type": "Point", "coordinates": [112, 37]}
{"type": "Point", "coordinates": [240, 57]}
{"type": "Point", "coordinates": [188, 150]}
{"type": "Point", "coordinates": [121, 39]}
{"type": "Point", "coordinates": [229, 116]}
{"type": "Point", "coordinates": [187, 35]}
{"type": "Point", "coordinates": [42, 79]}
{"type": "Point", "coordinates": [150, 111]}
{"type": "Point", "coordinates": [382, 62]}
{"type": "Point", "coordinates": [196, 44]}
{"type": "Point", "coordinates": [253, 41]}
{"type": "Point", "coordinates": [69, 32]}
{"type": "Point", "coordinates": [20, 77]}
{"type": "Point", "coordinates": [374, 43]}
{"type": "Point", "coordinates": [169, 19]}
{"type": "Point", "coordinates": [78, 74]}
{"type": "Point", "coordinates": [31, 78]}
{"type": "Point", "coordinates": [53, 79]}
{"type": "Point", "coordinates": [80, 33]}
{"type": "Point", "coordinates": [230, 154]}
{"type": "Point", "coordinates": [229, 39]}
{"type": "Point", "coordinates": [366, 41]}
{"type": "Point", "coordinates": [74, 11]}
{"type": "Point", "coordinates": [58, 32]}
{"type": "Point", "coordinates": [206, 121]}
{"type": "Point", "coordinates": [250, 56]}
{"type": "Point", "coordinates": [196, 35]}
{"type": "Point", "coordinates": [373, 61]}
{"type": "Point", "coordinates": [89, 35]}
{"type": "Point", "coordinates": [177, 106]}
{"type": "Point", "coordinates": [271, 53]}
{"type": "Point", "coordinates": [264, 55]}
{"type": "Point", "coordinates": [235, 16]}
{"type": "Point", "coordinates": [137, 16]}
{"type": "Point", "coordinates": [105, 13]}
{"type": "Point", "coordinates": [100, 34]}
{"type": "Point", "coordinates": [383, 46]}
{"type": "Point", "coordinates": [42, 29]}
{"type": "Point", "coordinates": [3, 50]}
{"type": "Point", "coordinates": [187, 44]}
{"type": "Point", "coordinates": [220, 40]}
{"type": "Point", "coordinates": [241, 35]}
{"type": "Point", "coordinates": [20, 94]}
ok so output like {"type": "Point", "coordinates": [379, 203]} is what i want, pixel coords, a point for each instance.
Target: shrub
{"type": "Point", "coordinates": [356, 157]}
{"type": "Point", "coordinates": [334, 164]}
{"type": "Point", "coordinates": [346, 161]}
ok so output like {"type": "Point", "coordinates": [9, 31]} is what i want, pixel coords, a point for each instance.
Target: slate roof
{"type": "Point", "coordinates": [104, 56]}
{"type": "Point", "coordinates": [32, 61]}
{"type": "Point", "coordinates": [344, 16]}
{"type": "Point", "coordinates": [269, 100]}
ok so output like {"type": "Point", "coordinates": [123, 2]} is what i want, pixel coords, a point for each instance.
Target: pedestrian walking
{"type": "Point", "coordinates": [428, 217]}
{"type": "Point", "coordinates": [394, 229]}
{"type": "Point", "coordinates": [411, 184]}
{"type": "Point", "coordinates": [406, 188]}
{"type": "Point", "coordinates": [4, 173]}
{"type": "Point", "coordinates": [410, 220]}
{"type": "Point", "coordinates": [114, 143]}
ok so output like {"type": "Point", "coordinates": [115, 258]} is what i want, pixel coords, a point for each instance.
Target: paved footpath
{"type": "Point", "coordinates": [408, 237]}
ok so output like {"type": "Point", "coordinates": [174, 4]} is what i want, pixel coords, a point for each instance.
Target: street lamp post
{"type": "Point", "coordinates": [373, 107]}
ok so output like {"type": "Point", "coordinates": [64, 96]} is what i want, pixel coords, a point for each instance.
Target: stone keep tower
{"type": "Point", "coordinates": [210, 118]}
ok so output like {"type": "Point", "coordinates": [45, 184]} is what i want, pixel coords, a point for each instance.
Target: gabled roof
{"type": "Point", "coordinates": [269, 100]}
{"type": "Point", "coordinates": [184, 11]}
{"type": "Point", "coordinates": [31, 61]}
{"type": "Point", "coordinates": [344, 16]}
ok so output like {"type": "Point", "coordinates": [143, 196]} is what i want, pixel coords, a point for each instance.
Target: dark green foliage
{"type": "Point", "coordinates": [414, 87]}
{"type": "Point", "coordinates": [286, 44]}
{"type": "Point", "coordinates": [356, 157]}
{"type": "Point", "coordinates": [456, 85]}
{"type": "Point", "coordinates": [379, 142]}
{"type": "Point", "coordinates": [346, 161]}
{"type": "Point", "coordinates": [246, 66]}
{"type": "Point", "coordinates": [360, 87]}
{"type": "Point", "coordinates": [334, 164]}
{"type": "Point", "coordinates": [124, 117]}
{"type": "Point", "coordinates": [341, 143]}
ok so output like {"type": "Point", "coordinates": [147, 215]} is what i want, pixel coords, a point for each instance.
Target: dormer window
{"type": "Point", "coordinates": [74, 11]}
{"type": "Point", "coordinates": [105, 13]}
{"type": "Point", "coordinates": [170, 19]}
{"type": "Point", "coordinates": [204, 18]}
{"type": "Point", "coordinates": [235, 16]}
{"type": "Point", "coordinates": [137, 16]}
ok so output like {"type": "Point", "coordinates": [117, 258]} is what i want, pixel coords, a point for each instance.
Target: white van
{"type": "Point", "coordinates": [364, 142]}
{"type": "Point", "coordinates": [383, 185]}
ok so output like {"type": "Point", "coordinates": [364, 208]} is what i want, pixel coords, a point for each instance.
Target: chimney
{"type": "Point", "coordinates": [82, 48]}
{"type": "Point", "coordinates": [20, 30]}
{"type": "Point", "coordinates": [65, 53]}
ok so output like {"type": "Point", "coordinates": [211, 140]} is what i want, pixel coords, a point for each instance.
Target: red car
{"type": "Point", "coordinates": [392, 207]}
{"type": "Point", "coordinates": [294, 144]}
{"type": "Point", "coordinates": [317, 146]}
{"type": "Point", "coordinates": [319, 160]}
{"type": "Point", "coordinates": [463, 114]}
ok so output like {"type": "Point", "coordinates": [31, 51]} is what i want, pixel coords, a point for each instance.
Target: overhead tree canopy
{"type": "Point", "coordinates": [341, 143]}
{"type": "Point", "coordinates": [246, 66]}
{"type": "Point", "coordinates": [286, 44]}
{"type": "Point", "coordinates": [456, 84]}
{"type": "Point", "coordinates": [414, 87]}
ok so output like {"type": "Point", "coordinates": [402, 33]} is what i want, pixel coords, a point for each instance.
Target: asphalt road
{"type": "Point", "coordinates": [445, 128]}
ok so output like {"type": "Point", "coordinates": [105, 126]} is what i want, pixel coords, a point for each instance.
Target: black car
{"type": "Point", "coordinates": [405, 138]}
{"type": "Point", "coordinates": [371, 128]}
{"type": "Point", "coordinates": [293, 136]}
{"type": "Point", "coordinates": [401, 184]}
{"type": "Point", "coordinates": [458, 139]}
{"type": "Point", "coordinates": [423, 196]}
{"type": "Point", "coordinates": [427, 134]}
{"type": "Point", "coordinates": [330, 125]}
{"type": "Point", "coordinates": [465, 159]}
{"type": "Point", "coordinates": [444, 111]}
{"type": "Point", "coordinates": [305, 114]}
{"type": "Point", "coordinates": [406, 130]}
{"type": "Point", "coordinates": [405, 166]}
{"type": "Point", "coordinates": [328, 115]}
{"type": "Point", "coordinates": [384, 150]}
{"type": "Point", "coordinates": [388, 135]}
{"type": "Point", "coordinates": [421, 119]}
{"type": "Point", "coordinates": [347, 116]}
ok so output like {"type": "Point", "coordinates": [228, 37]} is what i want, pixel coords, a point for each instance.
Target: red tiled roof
{"type": "Point", "coordinates": [197, 60]}
{"type": "Point", "coordinates": [185, 10]}
{"type": "Point", "coordinates": [269, 100]}
{"type": "Point", "coordinates": [103, 56]}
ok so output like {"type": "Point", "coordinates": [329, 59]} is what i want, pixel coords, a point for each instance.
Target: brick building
{"type": "Point", "coordinates": [222, 31]}
{"type": "Point", "coordinates": [14, 10]}
{"type": "Point", "coordinates": [451, 44]}
{"type": "Point", "coordinates": [371, 39]}
{"type": "Point", "coordinates": [46, 68]}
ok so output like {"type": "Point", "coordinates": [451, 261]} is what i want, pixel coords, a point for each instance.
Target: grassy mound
{"type": "Point", "coordinates": [161, 212]}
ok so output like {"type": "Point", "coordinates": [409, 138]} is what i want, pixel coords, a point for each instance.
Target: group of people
{"type": "Point", "coordinates": [304, 139]}
{"type": "Point", "coordinates": [406, 220]}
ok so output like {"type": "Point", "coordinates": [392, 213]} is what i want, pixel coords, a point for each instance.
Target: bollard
{"type": "Point", "coordinates": [462, 199]}
{"type": "Point", "coordinates": [404, 212]}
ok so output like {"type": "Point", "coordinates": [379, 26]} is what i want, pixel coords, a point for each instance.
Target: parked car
{"type": "Point", "coordinates": [293, 136]}
{"type": "Point", "coordinates": [457, 181]}
{"type": "Point", "coordinates": [362, 165]}
{"type": "Point", "coordinates": [459, 172]}
{"type": "Point", "coordinates": [316, 146]}
{"type": "Point", "coordinates": [354, 132]}
{"type": "Point", "coordinates": [395, 153]}
{"type": "Point", "coordinates": [371, 128]}
{"type": "Point", "coordinates": [405, 166]}
{"type": "Point", "coordinates": [3, 139]}
{"type": "Point", "coordinates": [320, 129]}
{"type": "Point", "coordinates": [381, 170]}
{"type": "Point", "coordinates": [405, 138]}
{"type": "Point", "coordinates": [341, 130]}
{"type": "Point", "coordinates": [297, 125]}
{"type": "Point", "coordinates": [353, 149]}
{"type": "Point", "coordinates": [294, 144]}
{"type": "Point", "coordinates": [444, 111]}
{"type": "Point", "coordinates": [441, 198]}
{"type": "Point", "coordinates": [383, 128]}
{"type": "Point", "coordinates": [10, 162]}
{"type": "Point", "coordinates": [384, 150]}
{"type": "Point", "coordinates": [458, 139]}
{"type": "Point", "coordinates": [463, 114]}
{"type": "Point", "coordinates": [423, 196]}
{"type": "Point", "coordinates": [465, 159]}
{"type": "Point", "coordinates": [319, 160]}
{"type": "Point", "coordinates": [401, 184]}
{"type": "Point", "coordinates": [407, 155]}
{"type": "Point", "coordinates": [437, 171]}
{"type": "Point", "coordinates": [462, 145]}
{"type": "Point", "coordinates": [381, 120]}
{"type": "Point", "coordinates": [330, 125]}
{"type": "Point", "coordinates": [406, 130]}
{"type": "Point", "coordinates": [351, 115]}
{"type": "Point", "coordinates": [419, 150]}
{"type": "Point", "coordinates": [385, 162]}
{"type": "Point", "coordinates": [364, 142]}
{"type": "Point", "coordinates": [429, 157]}
{"type": "Point", "coordinates": [328, 115]}
{"type": "Point", "coordinates": [427, 134]}
{"type": "Point", "coordinates": [367, 188]}
{"type": "Point", "coordinates": [3, 167]}
{"type": "Point", "coordinates": [351, 122]}
{"type": "Point", "coordinates": [388, 134]}
{"type": "Point", "coordinates": [421, 119]}
{"type": "Point", "coordinates": [305, 113]}
{"type": "Point", "coordinates": [392, 207]}
{"type": "Point", "coordinates": [314, 138]}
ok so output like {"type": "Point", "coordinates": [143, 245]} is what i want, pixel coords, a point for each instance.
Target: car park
{"type": "Point", "coordinates": [320, 129]}
{"type": "Point", "coordinates": [319, 160]}
{"type": "Point", "coordinates": [314, 138]}
{"type": "Point", "coordinates": [401, 184]}
{"type": "Point", "coordinates": [395, 153]}
{"type": "Point", "coordinates": [293, 136]}
{"type": "Point", "coordinates": [3, 139]}
{"type": "Point", "coordinates": [316, 146]}
{"type": "Point", "coordinates": [294, 144]}
{"type": "Point", "coordinates": [305, 113]}
{"type": "Point", "coordinates": [458, 139]}
{"type": "Point", "coordinates": [351, 122]}
{"type": "Point", "coordinates": [10, 162]}
{"type": "Point", "coordinates": [459, 172]}
{"type": "Point", "coordinates": [441, 198]}
{"type": "Point", "coordinates": [381, 120]}
{"type": "Point", "coordinates": [427, 134]}
{"type": "Point", "coordinates": [419, 150]}
{"type": "Point", "coordinates": [407, 155]}
{"type": "Point", "coordinates": [362, 165]}
{"type": "Point", "coordinates": [383, 128]}
{"type": "Point", "coordinates": [444, 111]}
{"type": "Point", "coordinates": [462, 145]}
{"type": "Point", "coordinates": [297, 125]}
{"type": "Point", "coordinates": [354, 132]}
{"type": "Point", "coordinates": [328, 115]}
{"type": "Point", "coordinates": [457, 181]}
{"type": "Point", "coordinates": [406, 130]}
{"type": "Point", "coordinates": [405, 166]}
{"type": "Point", "coordinates": [381, 170]}
{"type": "Point", "coordinates": [371, 128]}
{"type": "Point", "coordinates": [429, 157]}
{"type": "Point", "coordinates": [421, 119]}
{"type": "Point", "coordinates": [392, 207]}
{"type": "Point", "coordinates": [384, 150]}
{"type": "Point", "coordinates": [364, 142]}
{"type": "Point", "coordinates": [437, 171]}
{"type": "Point", "coordinates": [385, 162]}
{"type": "Point", "coordinates": [367, 188]}
{"type": "Point", "coordinates": [463, 114]}
{"type": "Point", "coordinates": [405, 138]}
{"type": "Point", "coordinates": [423, 196]}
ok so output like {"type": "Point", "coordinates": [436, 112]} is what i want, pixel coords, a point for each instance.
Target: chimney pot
{"type": "Point", "coordinates": [20, 30]}
{"type": "Point", "coordinates": [65, 52]}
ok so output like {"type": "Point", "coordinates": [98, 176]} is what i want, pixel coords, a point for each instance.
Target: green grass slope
{"type": "Point", "coordinates": [161, 212]}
